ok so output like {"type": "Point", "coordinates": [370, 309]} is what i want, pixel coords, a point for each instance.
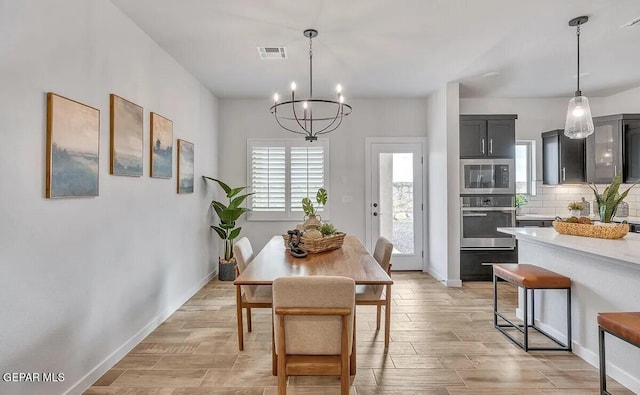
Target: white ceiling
{"type": "Point", "coordinates": [398, 48]}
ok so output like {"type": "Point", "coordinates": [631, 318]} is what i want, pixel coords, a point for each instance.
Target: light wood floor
{"type": "Point", "coordinates": [442, 342]}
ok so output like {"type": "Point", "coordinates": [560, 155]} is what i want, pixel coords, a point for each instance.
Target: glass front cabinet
{"type": "Point", "coordinates": [606, 151]}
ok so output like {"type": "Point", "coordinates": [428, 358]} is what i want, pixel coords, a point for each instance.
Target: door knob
{"type": "Point", "coordinates": [375, 213]}
{"type": "Point", "coordinates": [375, 204]}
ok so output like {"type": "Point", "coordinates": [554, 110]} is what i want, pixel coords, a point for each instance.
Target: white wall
{"type": "Point", "coordinates": [625, 102]}
{"type": "Point", "coordinates": [437, 184]}
{"type": "Point", "coordinates": [443, 169]}
{"type": "Point", "coordinates": [82, 280]}
{"type": "Point", "coordinates": [242, 119]}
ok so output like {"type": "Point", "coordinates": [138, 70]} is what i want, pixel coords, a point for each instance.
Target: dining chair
{"type": "Point", "coordinates": [251, 296]}
{"type": "Point", "coordinates": [368, 295]}
{"type": "Point", "coordinates": [314, 328]}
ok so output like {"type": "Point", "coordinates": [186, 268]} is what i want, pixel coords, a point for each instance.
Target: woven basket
{"type": "Point", "coordinates": [314, 246]}
{"type": "Point", "coordinates": [599, 231]}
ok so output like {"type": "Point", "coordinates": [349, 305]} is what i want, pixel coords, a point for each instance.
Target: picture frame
{"type": "Point", "coordinates": [126, 157]}
{"type": "Point", "coordinates": [161, 142]}
{"type": "Point", "coordinates": [72, 148]}
{"type": "Point", "coordinates": [185, 167]}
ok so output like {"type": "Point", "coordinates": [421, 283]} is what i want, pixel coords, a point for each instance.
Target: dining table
{"type": "Point", "coordinates": [351, 260]}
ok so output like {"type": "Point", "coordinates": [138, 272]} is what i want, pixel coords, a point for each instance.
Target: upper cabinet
{"type": "Point", "coordinates": [562, 158]}
{"type": "Point", "coordinates": [487, 136]}
{"type": "Point", "coordinates": [607, 151]}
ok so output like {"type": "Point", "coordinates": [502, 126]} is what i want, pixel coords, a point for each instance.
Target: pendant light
{"type": "Point", "coordinates": [579, 123]}
{"type": "Point", "coordinates": [310, 116]}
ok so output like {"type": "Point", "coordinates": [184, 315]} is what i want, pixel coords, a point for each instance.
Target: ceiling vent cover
{"type": "Point", "coordinates": [272, 53]}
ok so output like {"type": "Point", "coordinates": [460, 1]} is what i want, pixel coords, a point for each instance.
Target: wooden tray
{"type": "Point", "coordinates": [314, 246]}
{"type": "Point", "coordinates": [599, 231]}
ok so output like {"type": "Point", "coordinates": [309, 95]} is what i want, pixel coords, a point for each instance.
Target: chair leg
{"type": "Point", "coordinates": [239, 317]}
{"type": "Point", "coordinates": [282, 352]}
{"type": "Point", "coordinates": [248, 319]}
{"type": "Point", "coordinates": [379, 311]}
{"type": "Point", "coordinates": [387, 317]}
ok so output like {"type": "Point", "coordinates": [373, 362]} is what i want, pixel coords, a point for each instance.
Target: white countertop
{"type": "Point", "coordinates": [626, 249]}
{"type": "Point", "coordinates": [549, 217]}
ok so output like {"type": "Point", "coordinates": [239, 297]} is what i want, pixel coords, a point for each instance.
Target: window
{"type": "Point", "coordinates": [281, 172]}
{"type": "Point", "coordinates": [525, 167]}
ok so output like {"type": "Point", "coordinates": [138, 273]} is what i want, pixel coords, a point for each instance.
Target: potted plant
{"type": "Point", "coordinates": [575, 208]}
{"type": "Point", "coordinates": [610, 198]}
{"type": "Point", "coordinates": [228, 214]}
{"type": "Point", "coordinates": [312, 223]}
{"type": "Point", "coordinates": [520, 201]}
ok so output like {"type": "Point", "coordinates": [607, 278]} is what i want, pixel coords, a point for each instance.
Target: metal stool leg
{"type": "Point", "coordinates": [603, 363]}
{"type": "Point", "coordinates": [526, 321]}
{"type": "Point", "coordinates": [495, 301]}
{"type": "Point", "coordinates": [569, 342]}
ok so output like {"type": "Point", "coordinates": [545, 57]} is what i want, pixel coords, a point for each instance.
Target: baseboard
{"type": "Point", "coordinates": [592, 358]}
{"type": "Point", "coordinates": [453, 283]}
{"type": "Point", "coordinates": [94, 374]}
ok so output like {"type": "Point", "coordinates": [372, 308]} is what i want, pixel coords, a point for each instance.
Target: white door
{"type": "Point", "coordinates": [395, 199]}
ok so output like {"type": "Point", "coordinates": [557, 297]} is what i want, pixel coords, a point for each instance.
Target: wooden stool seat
{"type": "Point", "coordinates": [530, 278]}
{"type": "Point", "coordinates": [625, 326]}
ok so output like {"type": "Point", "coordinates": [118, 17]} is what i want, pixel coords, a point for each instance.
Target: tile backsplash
{"type": "Point", "coordinates": [554, 199]}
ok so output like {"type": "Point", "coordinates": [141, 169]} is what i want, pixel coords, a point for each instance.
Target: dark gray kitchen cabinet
{"type": "Point", "coordinates": [487, 136]}
{"type": "Point", "coordinates": [562, 158]}
{"type": "Point", "coordinates": [631, 146]}
{"type": "Point", "coordinates": [605, 154]}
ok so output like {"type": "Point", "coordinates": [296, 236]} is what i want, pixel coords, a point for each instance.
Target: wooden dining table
{"type": "Point", "coordinates": [351, 260]}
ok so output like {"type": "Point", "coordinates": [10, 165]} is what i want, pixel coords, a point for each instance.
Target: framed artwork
{"type": "Point", "coordinates": [185, 166]}
{"type": "Point", "coordinates": [161, 146]}
{"type": "Point", "coordinates": [73, 138]}
{"type": "Point", "coordinates": [126, 137]}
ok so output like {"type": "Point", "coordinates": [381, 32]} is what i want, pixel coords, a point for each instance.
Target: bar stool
{"type": "Point", "coordinates": [530, 277]}
{"type": "Point", "coordinates": [625, 326]}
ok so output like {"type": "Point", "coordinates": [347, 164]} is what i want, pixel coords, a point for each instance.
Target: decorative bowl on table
{"type": "Point", "coordinates": [314, 246]}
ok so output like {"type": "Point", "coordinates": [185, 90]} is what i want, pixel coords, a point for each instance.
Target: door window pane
{"type": "Point", "coordinates": [396, 201]}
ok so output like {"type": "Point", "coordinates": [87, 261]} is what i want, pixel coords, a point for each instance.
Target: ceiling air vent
{"type": "Point", "coordinates": [272, 53]}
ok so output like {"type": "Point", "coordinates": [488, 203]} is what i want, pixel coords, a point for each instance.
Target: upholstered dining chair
{"type": "Point", "coordinates": [252, 296]}
{"type": "Point", "coordinates": [314, 327]}
{"type": "Point", "coordinates": [372, 294]}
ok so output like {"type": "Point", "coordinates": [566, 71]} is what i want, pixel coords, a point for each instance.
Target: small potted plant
{"type": "Point", "coordinates": [521, 200]}
{"type": "Point", "coordinates": [228, 214]}
{"type": "Point", "coordinates": [575, 208]}
{"type": "Point", "coordinates": [609, 199]}
{"type": "Point", "coordinates": [312, 223]}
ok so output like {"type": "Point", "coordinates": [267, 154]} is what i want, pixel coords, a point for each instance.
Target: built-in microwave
{"type": "Point", "coordinates": [487, 177]}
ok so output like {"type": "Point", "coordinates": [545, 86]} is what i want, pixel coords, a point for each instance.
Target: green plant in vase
{"type": "Point", "coordinates": [228, 214]}
{"type": "Point", "coordinates": [610, 198]}
{"type": "Point", "coordinates": [312, 223]}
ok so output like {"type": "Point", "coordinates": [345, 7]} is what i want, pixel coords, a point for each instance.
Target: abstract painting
{"type": "Point", "coordinates": [126, 137]}
{"type": "Point", "coordinates": [73, 137]}
{"type": "Point", "coordinates": [185, 166]}
{"type": "Point", "coordinates": [161, 146]}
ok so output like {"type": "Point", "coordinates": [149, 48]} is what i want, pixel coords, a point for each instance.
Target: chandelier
{"type": "Point", "coordinates": [310, 116]}
{"type": "Point", "coordinates": [579, 123]}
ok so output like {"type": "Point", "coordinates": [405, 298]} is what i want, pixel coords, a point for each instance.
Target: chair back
{"type": "Point", "coordinates": [243, 252]}
{"type": "Point", "coordinates": [313, 334]}
{"type": "Point", "coordinates": [382, 254]}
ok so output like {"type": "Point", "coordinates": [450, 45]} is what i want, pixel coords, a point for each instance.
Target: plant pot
{"type": "Point", "coordinates": [226, 270]}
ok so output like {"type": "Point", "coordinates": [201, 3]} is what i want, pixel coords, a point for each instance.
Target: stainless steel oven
{"type": "Point", "coordinates": [487, 176]}
{"type": "Point", "coordinates": [480, 218]}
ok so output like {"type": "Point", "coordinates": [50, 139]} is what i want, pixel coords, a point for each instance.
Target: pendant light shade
{"type": "Point", "coordinates": [579, 123]}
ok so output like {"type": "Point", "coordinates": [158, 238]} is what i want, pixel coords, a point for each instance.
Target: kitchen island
{"type": "Point", "coordinates": [605, 277]}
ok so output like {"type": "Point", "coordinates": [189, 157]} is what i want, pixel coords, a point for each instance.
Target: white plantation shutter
{"type": "Point", "coordinates": [281, 172]}
{"type": "Point", "coordinates": [307, 174]}
{"type": "Point", "coordinates": [268, 181]}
